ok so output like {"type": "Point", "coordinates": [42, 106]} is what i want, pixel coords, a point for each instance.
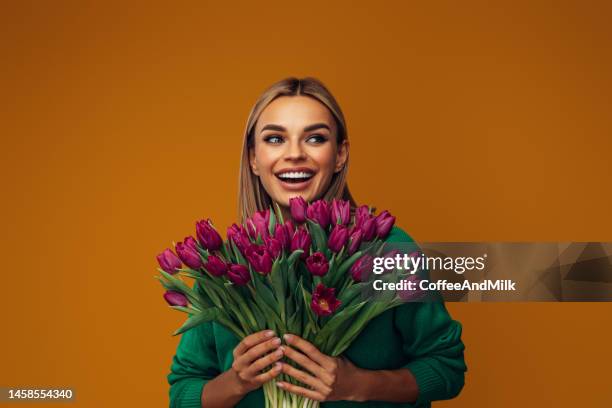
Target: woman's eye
{"type": "Point", "coordinates": [274, 139]}
{"type": "Point", "coordinates": [316, 139]}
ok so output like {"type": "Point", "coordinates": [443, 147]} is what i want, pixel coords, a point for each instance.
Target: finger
{"type": "Point", "coordinates": [305, 362]}
{"type": "Point", "coordinates": [260, 364]}
{"type": "Point", "coordinates": [310, 350]}
{"type": "Point", "coordinates": [306, 378]}
{"type": "Point", "coordinates": [295, 389]}
{"type": "Point", "coordinates": [256, 352]}
{"type": "Point", "coordinates": [252, 340]}
{"type": "Point", "coordinates": [268, 375]}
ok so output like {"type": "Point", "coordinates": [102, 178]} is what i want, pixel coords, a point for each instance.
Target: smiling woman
{"type": "Point", "coordinates": [296, 146]}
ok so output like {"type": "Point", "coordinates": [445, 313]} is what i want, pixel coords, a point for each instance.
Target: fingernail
{"type": "Point", "coordinates": [278, 367]}
{"type": "Point", "coordinates": [276, 341]}
{"type": "Point", "coordinates": [279, 352]}
{"type": "Point", "coordinates": [269, 333]}
{"type": "Point", "coordinates": [280, 385]}
{"type": "Point", "coordinates": [281, 349]}
{"type": "Point", "coordinates": [288, 337]}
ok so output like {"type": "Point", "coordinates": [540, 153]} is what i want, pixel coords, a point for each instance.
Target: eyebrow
{"type": "Point", "coordinates": [306, 129]}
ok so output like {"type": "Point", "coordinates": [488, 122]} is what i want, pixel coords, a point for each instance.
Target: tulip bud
{"type": "Point", "coordinates": [319, 213]}
{"type": "Point", "coordinates": [384, 223]}
{"type": "Point", "coordinates": [361, 214]}
{"type": "Point", "coordinates": [191, 243]}
{"type": "Point", "coordinates": [341, 212]}
{"type": "Point", "coordinates": [188, 254]}
{"type": "Point", "coordinates": [209, 237]}
{"type": "Point", "coordinates": [258, 224]}
{"type": "Point", "coordinates": [273, 246]}
{"type": "Point", "coordinates": [175, 298]}
{"type": "Point", "coordinates": [368, 227]}
{"type": "Point", "coordinates": [282, 235]}
{"type": "Point", "coordinates": [324, 301]}
{"type": "Point", "coordinates": [361, 269]}
{"type": "Point", "coordinates": [301, 240]}
{"type": "Point", "coordinates": [239, 236]}
{"type": "Point", "coordinates": [338, 238]}
{"type": "Point", "coordinates": [298, 208]}
{"type": "Point", "coordinates": [259, 257]}
{"type": "Point", "coordinates": [354, 240]}
{"type": "Point", "coordinates": [215, 266]}
{"type": "Point", "coordinates": [169, 262]}
{"type": "Point", "coordinates": [317, 264]}
{"type": "Point", "coordinates": [239, 274]}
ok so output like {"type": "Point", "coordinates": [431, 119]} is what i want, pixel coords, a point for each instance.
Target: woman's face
{"type": "Point", "coordinates": [296, 151]}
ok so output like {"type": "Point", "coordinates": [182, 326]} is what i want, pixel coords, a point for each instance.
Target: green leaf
{"type": "Point", "coordinates": [272, 222]}
{"type": "Point", "coordinates": [336, 324]}
{"type": "Point", "coordinates": [199, 318]}
{"type": "Point", "coordinates": [319, 237]}
{"type": "Point", "coordinates": [349, 262]}
{"type": "Point", "coordinates": [239, 258]}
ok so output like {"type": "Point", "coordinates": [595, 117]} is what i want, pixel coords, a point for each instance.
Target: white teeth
{"type": "Point", "coordinates": [295, 174]}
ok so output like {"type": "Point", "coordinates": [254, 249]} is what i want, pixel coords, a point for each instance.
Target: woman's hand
{"type": "Point", "coordinates": [253, 354]}
{"type": "Point", "coordinates": [330, 378]}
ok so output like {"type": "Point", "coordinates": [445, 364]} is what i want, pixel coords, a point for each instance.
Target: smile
{"type": "Point", "coordinates": [295, 177]}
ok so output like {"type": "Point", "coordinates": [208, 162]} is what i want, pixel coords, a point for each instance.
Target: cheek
{"type": "Point", "coordinates": [325, 158]}
{"type": "Point", "coordinates": [265, 158]}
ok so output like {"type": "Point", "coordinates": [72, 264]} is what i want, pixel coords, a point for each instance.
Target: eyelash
{"type": "Point", "coordinates": [322, 139]}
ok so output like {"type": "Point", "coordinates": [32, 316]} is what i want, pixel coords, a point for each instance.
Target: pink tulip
{"type": "Point", "coordinates": [317, 264]}
{"type": "Point", "coordinates": [239, 274]}
{"type": "Point", "coordinates": [324, 301]}
{"type": "Point", "coordinates": [215, 266]}
{"type": "Point", "coordinates": [301, 240]}
{"type": "Point", "coordinates": [355, 238]}
{"type": "Point", "coordinates": [298, 208]}
{"type": "Point", "coordinates": [362, 268]}
{"type": "Point", "coordinates": [169, 262]}
{"type": "Point", "coordinates": [341, 212]}
{"type": "Point", "coordinates": [259, 257]}
{"type": "Point", "coordinates": [175, 298]}
{"type": "Point", "coordinates": [384, 223]}
{"type": "Point", "coordinates": [319, 213]}
{"type": "Point", "coordinates": [188, 254]}
{"type": "Point", "coordinates": [338, 238]}
{"type": "Point", "coordinates": [209, 237]}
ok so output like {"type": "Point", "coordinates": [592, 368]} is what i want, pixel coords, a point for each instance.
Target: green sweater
{"type": "Point", "coordinates": [421, 337]}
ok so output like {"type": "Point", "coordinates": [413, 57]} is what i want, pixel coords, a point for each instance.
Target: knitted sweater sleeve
{"type": "Point", "coordinates": [194, 364]}
{"type": "Point", "coordinates": [432, 343]}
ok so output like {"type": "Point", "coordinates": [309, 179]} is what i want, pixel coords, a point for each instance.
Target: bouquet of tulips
{"type": "Point", "coordinates": [305, 276]}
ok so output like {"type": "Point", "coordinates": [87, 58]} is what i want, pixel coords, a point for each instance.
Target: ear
{"type": "Point", "coordinates": [342, 155]}
{"type": "Point", "coordinates": [253, 162]}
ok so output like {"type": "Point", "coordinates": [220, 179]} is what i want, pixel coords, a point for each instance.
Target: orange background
{"type": "Point", "coordinates": [122, 125]}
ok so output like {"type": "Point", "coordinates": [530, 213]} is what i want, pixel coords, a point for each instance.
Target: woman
{"type": "Point", "coordinates": [296, 144]}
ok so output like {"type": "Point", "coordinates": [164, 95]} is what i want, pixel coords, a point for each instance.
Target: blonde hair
{"type": "Point", "coordinates": [252, 196]}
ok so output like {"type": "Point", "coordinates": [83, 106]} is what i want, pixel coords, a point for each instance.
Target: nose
{"type": "Point", "coordinates": [294, 151]}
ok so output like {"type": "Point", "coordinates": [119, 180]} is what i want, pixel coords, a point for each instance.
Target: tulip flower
{"type": "Point", "coordinates": [175, 298]}
{"type": "Point", "coordinates": [215, 266]}
{"type": "Point", "coordinates": [384, 223]}
{"type": "Point", "coordinates": [324, 301]}
{"type": "Point", "coordinates": [338, 238]}
{"type": "Point", "coordinates": [317, 264]}
{"type": "Point", "coordinates": [239, 274]}
{"type": "Point", "coordinates": [259, 257]}
{"type": "Point", "coordinates": [298, 207]}
{"type": "Point", "coordinates": [341, 212]}
{"type": "Point", "coordinates": [301, 240]}
{"type": "Point", "coordinates": [368, 227]}
{"type": "Point", "coordinates": [361, 214]}
{"type": "Point", "coordinates": [188, 254]}
{"type": "Point", "coordinates": [191, 243]}
{"type": "Point", "coordinates": [362, 268]}
{"type": "Point", "coordinates": [355, 238]}
{"type": "Point", "coordinates": [258, 224]}
{"type": "Point", "coordinates": [209, 237]}
{"type": "Point", "coordinates": [239, 236]}
{"type": "Point", "coordinates": [169, 262]}
{"type": "Point", "coordinates": [273, 246]}
{"type": "Point", "coordinates": [319, 213]}
{"type": "Point", "coordinates": [282, 234]}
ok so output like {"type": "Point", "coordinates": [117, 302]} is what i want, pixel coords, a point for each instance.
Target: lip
{"type": "Point", "coordinates": [295, 186]}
